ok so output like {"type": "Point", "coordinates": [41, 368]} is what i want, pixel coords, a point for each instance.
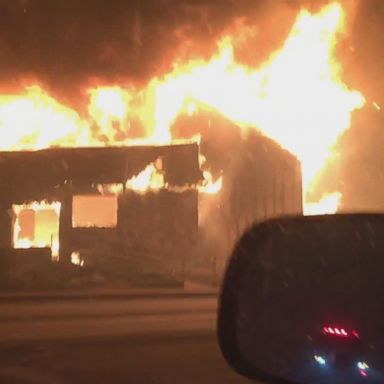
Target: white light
{"type": "Point", "coordinates": [320, 360]}
{"type": "Point", "coordinates": [363, 366]}
{"type": "Point", "coordinates": [76, 259]}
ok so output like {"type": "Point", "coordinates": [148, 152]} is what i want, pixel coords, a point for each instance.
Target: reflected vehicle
{"type": "Point", "coordinates": [341, 349]}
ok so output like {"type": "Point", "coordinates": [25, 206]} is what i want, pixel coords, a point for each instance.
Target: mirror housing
{"type": "Point", "coordinates": [291, 285]}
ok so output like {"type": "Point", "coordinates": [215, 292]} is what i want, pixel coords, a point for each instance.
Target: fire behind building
{"type": "Point", "coordinates": [137, 210]}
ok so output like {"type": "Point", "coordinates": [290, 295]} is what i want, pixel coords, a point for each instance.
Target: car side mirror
{"type": "Point", "coordinates": [303, 301]}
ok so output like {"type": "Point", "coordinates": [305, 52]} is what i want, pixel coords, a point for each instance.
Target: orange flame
{"type": "Point", "coordinates": [296, 97]}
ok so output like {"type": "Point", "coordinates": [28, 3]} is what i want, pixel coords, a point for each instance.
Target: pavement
{"type": "Point", "coordinates": [98, 317]}
{"type": "Point", "coordinates": [151, 338]}
{"type": "Point", "coordinates": [190, 289]}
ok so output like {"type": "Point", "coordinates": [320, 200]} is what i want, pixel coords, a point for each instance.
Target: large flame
{"type": "Point", "coordinates": [296, 97]}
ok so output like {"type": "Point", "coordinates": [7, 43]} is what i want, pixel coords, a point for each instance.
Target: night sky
{"type": "Point", "coordinates": [65, 42]}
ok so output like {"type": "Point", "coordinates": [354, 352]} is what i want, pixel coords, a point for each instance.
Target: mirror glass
{"type": "Point", "coordinates": [303, 300]}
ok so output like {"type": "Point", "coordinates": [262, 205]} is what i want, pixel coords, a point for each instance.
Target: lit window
{"type": "Point", "coordinates": [37, 225]}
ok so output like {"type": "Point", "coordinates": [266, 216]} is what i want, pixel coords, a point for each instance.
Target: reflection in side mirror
{"type": "Point", "coordinates": [303, 301]}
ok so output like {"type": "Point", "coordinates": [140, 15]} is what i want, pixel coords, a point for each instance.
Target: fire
{"type": "Point", "coordinates": [76, 259]}
{"type": "Point", "coordinates": [328, 204]}
{"type": "Point", "coordinates": [35, 120]}
{"type": "Point", "coordinates": [37, 225]}
{"type": "Point", "coordinates": [150, 178]}
{"type": "Point", "coordinates": [108, 106]}
{"type": "Point", "coordinates": [296, 97]}
{"type": "Point", "coordinates": [211, 186]}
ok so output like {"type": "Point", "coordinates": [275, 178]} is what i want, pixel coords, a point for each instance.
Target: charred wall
{"type": "Point", "coordinates": [260, 181]}
{"type": "Point", "coordinates": [153, 226]}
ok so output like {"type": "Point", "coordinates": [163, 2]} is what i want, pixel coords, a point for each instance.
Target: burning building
{"type": "Point", "coordinates": [139, 207]}
{"type": "Point", "coordinates": [101, 176]}
{"type": "Point", "coordinates": [92, 204]}
{"type": "Point", "coordinates": [260, 180]}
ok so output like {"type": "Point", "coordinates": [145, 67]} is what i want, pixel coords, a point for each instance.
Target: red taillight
{"type": "Point", "coordinates": [339, 332]}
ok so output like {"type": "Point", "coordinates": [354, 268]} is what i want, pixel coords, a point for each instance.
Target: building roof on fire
{"type": "Point", "coordinates": [31, 171]}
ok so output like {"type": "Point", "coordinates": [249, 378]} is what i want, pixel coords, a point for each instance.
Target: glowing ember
{"type": "Point", "coordinates": [327, 205]}
{"type": "Point", "coordinates": [150, 178]}
{"type": "Point", "coordinates": [296, 97]}
{"type": "Point", "coordinates": [37, 225]}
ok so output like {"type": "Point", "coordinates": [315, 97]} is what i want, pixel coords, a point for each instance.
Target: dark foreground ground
{"type": "Point", "coordinates": [152, 340]}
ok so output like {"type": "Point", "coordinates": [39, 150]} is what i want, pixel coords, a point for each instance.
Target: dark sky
{"type": "Point", "coordinates": [66, 42]}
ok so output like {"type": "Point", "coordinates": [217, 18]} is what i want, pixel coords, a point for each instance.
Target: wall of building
{"type": "Point", "coordinates": [260, 181]}
{"type": "Point", "coordinates": [152, 229]}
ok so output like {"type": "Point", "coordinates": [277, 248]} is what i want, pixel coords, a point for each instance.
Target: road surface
{"type": "Point", "coordinates": [150, 340]}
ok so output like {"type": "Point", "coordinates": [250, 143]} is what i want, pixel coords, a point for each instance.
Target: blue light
{"type": "Point", "coordinates": [320, 360]}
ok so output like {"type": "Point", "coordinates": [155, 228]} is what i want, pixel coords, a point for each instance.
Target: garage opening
{"type": "Point", "coordinates": [36, 225]}
{"type": "Point", "coordinates": [94, 211]}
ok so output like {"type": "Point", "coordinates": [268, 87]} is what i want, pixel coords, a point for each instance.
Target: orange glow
{"type": "Point", "coordinates": [94, 211]}
{"type": "Point", "coordinates": [37, 225]}
{"type": "Point", "coordinates": [296, 97]}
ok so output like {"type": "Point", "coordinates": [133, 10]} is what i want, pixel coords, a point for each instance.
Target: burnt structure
{"type": "Point", "coordinates": [171, 231]}
{"type": "Point", "coordinates": [150, 228]}
{"type": "Point", "coordinates": [261, 180]}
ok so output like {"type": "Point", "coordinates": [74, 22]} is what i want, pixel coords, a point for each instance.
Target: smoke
{"type": "Point", "coordinates": [65, 44]}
